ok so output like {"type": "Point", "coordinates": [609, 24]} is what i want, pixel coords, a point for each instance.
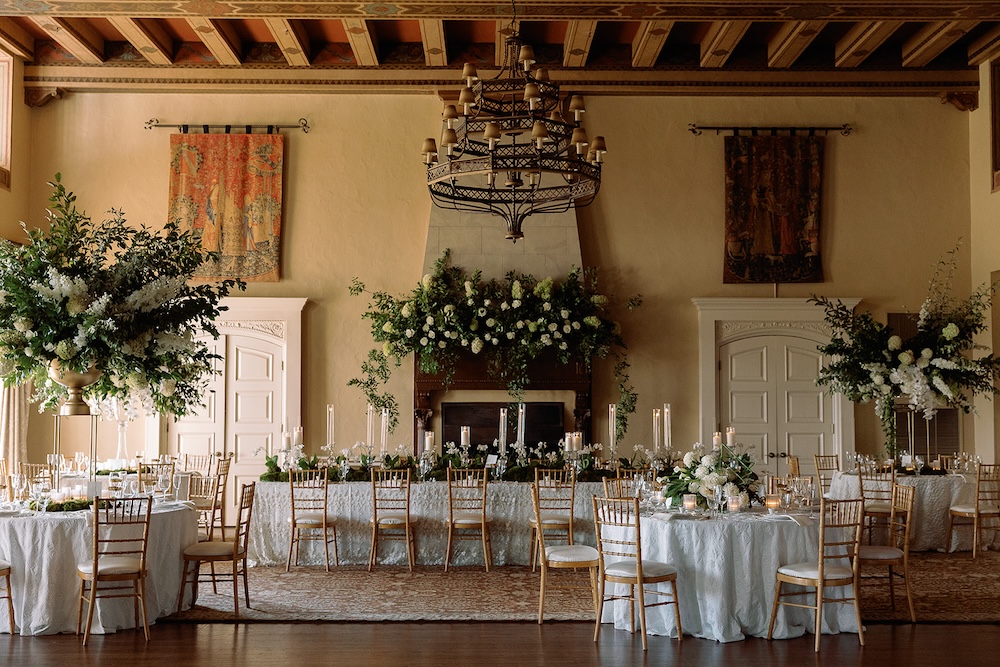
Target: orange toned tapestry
{"type": "Point", "coordinates": [227, 189]}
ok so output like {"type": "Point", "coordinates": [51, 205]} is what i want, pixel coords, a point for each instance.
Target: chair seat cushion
{"type": "Point", "coordinates": [203, 536]}
{"type": "Point", "coordinates": [111, 565]}
{"type": "Point", "coordinates": [211, 549]}
{"type": "Point", "coordinates": [467, 518]}
{"type": "Point", "coordinates": [877, 552]}
{"type": "Point", "coordinates": [313, 519]}
{"type": "Point", "coordinates": [970, 510]}
{"type": "Point", "coordinates": [650, 568]}
{"type": "Point", "coordinates": [811, 571]}
{"type": "Point", "coordinates": [878, 507]}
{"type": "Point", "coordinates": [202, 503]}
{"type": "Point", "coordinates": [571, 553]}
{"type": "Point", "coordinates": [552, 518]}
{"type": "Point", "coordinates": [392, 518]}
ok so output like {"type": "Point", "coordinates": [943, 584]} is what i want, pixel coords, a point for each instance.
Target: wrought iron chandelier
{"type": "Point", "coordinates": [508, 150]}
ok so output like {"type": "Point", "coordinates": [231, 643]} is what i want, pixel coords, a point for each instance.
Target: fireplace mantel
{"type": "Point", "coordinates": [472, 373]}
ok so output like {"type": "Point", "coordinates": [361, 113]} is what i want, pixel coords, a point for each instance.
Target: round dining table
{"type": "Point", "coordinates": [44, 549]}
{"type": "Point", "coordinates": [933, 496]}
{"type": "Point", "coordinates": [726, 568]}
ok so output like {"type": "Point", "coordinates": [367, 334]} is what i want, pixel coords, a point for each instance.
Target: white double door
{"type": "Point", "coordinates": [244, 411]}
{"type": "Point", "coordinates": [768, 393]}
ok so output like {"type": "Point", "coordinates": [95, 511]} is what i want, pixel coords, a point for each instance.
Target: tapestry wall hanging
{"type": "Point", "coordinates": [227, 189]}
{"type": "Point", "coordinates": [773, 209]}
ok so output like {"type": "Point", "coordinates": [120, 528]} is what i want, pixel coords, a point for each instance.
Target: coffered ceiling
{"type": "Point", "coordinates": [726, 47]}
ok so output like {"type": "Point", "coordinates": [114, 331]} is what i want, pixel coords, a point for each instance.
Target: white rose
{"type": "Point", "coordinates": [895, 343]}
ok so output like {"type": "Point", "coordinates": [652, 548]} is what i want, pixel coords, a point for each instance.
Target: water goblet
{"type": "Point", "coordinates": [163, 484]}
{"type": "Point", "coordinates": [115, 483]}
{"type": "Point", "coordinates": [719, 499]}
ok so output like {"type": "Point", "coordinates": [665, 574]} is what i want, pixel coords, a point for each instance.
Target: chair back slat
{"type": "Point", "coordinates": [466, 490]}
{"type": "Point", "coordinates": [840, 530]}
{"type": "Point", "coordinates": [619, 487]}
{"type": "Point", "coordinates": [617, 513]}
{"type": "Point", "coordinates": [556, 490]}
{"type": "Point", "coordinates": [876, 483]}
{"type": "Point", "coordinates": [826, 466]}
{"type": "Point", "coordinates": [308, 490]}
{"type": "Point", "coordinates": [390, 490]}
{"type": "Point", "coordinates": [987, 487]}
{"type": "Point", "coordinates": [121, 528]}
{"type": "Point", "coordinates": [899, 519]}
{"type": "Point", "coordinates": [242, 538]}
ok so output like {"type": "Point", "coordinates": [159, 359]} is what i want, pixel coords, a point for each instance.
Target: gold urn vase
{"type": "Point", "coordinates": [74, 383]}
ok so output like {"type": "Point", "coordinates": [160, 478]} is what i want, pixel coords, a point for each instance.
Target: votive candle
{"type": "Point", "coordinates": [772, 501]}
{"type": "Point", "coordinates": [690, 501]}
{"type": "Point", "coordinates": [734, 504]}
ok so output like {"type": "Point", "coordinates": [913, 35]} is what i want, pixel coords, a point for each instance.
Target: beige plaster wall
{"type": "Point", "coordinates": [896, 197]}
{"type": "Point", "coordinates": [985, 215]}
{"type": "Point", "coordinates": [14, 202]}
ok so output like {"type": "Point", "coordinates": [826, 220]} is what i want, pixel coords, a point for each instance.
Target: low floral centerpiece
{"type": "Point", "coordinates": [111, 302]}
{"type": "Point", "coordinates": [729, 469]}
{"type": "Point", "coordinates": [932, 369]}
{"type": "Point", "coordinates": [511, 321]}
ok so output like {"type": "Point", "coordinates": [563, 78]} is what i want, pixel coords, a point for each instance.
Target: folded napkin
{"type": "Point", "coordinates": [671, 516]}
{"type": "Point", "coordinates": [801, 519]}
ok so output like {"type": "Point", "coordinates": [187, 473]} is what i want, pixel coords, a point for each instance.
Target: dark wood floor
{"type": "Point", "coordinates": [480, 644]}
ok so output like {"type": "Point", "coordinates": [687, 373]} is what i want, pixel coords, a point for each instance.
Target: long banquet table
{"type": "Point", "coordinates": [726, 576]}
{"type": "Point", "coordinates": [44, 549]}
{"type": "Point", "coordinates": [508, 507]}
{"type": "Point", "coordinates": [934, 495]}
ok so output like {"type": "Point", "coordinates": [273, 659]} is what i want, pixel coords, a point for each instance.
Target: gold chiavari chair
{"type": "Point", "coordinates": [149, 473]}
{"type": "Point", "coordinates": [391, 512]}
{"type": "Point", "coordinates": [619, 487]}
{"type": "Point", "coordinates": [562, 556]}
{"type": "Point", "coordinates": [777, 484]}
{"type": "Point", "coordinates": [36, 471]}
{"type": "Point", "coordinates": [794, 469]}
{"type": "Point", "coordinates": [896, 554]}
{"type": "Point", "coordinates": [310, 520]}
{"type": "Point", "coordinates": [986, 506]}
{"type": "Point", "coordinates": [837, 565]}
{"type": "Point", "coordinates": [204, 493]}
{"type": "Point", "coordinates": [199, 464]}
{"type": "Point", "coordinates": [467, 518]}
{"type": "Point", "coordinates": [947, 461]}
{"type": "Point", "coordinates": [222, 465]}
{"type": "Point", "coordinates": [121, 535]}
{"type": "Point", "coordinates": [556, 490]}
{"type": "Point", "coordinates": [616, 523]}
{"type": "Point", "coordinates": [5, 569]}
{"type": "Point", "coordinates": [221, 552]}
{"type": "Point", "coordinates": [876, 484]}
{"type": "Point", "coordinates": [826, 466]}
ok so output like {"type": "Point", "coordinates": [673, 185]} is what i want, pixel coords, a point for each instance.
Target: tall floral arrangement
{"type": "Point", "coordinates": [936, 367]}
{"type": "Point", "coordinates": [452, 312]}
{"type": "Point", "coordinates": [109, 297]}
{"type": "Point", "coordinates": [702, 472]}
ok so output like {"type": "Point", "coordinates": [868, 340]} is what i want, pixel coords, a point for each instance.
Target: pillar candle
{"type": "Point", "coordinates": [730, 436]}
{"type": "Point", "coordinates": [568, 442]}
{"type": "Point", "coordinates": [466, 436]}
{"type": "Point", "coordinates": [297, 436]}
{"type": "Point", "coordinates": [429, 441]}
{"type": "Point", "coordinates": [286, 440]}
{"type": "Point", "coordinates": [716, 439]}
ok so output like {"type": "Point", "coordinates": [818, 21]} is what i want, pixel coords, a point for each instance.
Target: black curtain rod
{"type": "Point", "coordinates": [696, 130]}
{"type": "Point", "coordinates": [303, 125]}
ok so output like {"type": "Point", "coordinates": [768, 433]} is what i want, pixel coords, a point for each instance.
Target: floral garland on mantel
{"type": "Point", "coordinates": [511, 321]}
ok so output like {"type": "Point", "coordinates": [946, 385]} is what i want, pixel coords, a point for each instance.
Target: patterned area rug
{"type": "Point", "coordinates": [351, 593]}
{"type": "Point", "coordinates": [946, 588]}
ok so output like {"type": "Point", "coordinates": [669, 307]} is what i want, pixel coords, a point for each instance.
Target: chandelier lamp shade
{"type": "Point", "coordinates": [506, 148]}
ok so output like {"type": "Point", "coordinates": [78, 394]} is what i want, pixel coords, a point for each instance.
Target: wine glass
{"type": "Point", "coordinates": [115, 483]}
{"type": "Point", "coordinates": [163, 483]}
{"type": "Point", "coordinates": [719, 499]}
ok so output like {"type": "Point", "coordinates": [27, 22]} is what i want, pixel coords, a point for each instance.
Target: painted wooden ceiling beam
{"type": "Point", "coordinates": [220, 38]}
{"type": "Point", "coordinates": [792, 38]}
{"type": "Point", "coordinates": [147, 37]}
{"type": "Point", "coordinates": [362, 41]}
{"type": "Point", "coordinates": [576, 45]}
{"type": "Point", "coordinates": [432, 36]}
{"type": "Point", "coordinates": [862, 40]}
{"type": "Point", "coordinates": [15, 40]}
{"type": "Point", "coordinates": [78, 38]}
{"type": "Point", "coordinates": [720, 40]}
{"type": "Point", "coordinates": [649, 41]}
{"type": "Point", "coordinates": [985, 48]}
{"type": "Point", "coordinates": [928, 42]}
{"type": "Point", "coordinates": [291, 38]}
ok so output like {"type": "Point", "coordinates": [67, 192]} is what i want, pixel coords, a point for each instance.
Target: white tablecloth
{"type": "Point", "coordinates": [45, 549]}
{"type": "Point", "coordinates": [934, 495]}
{"type": "Point", "coordinates": [508, 506]}
{"type": "Point", "coordinates": [726, 577]}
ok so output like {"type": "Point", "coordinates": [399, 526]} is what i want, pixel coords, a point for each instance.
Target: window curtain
{"type": "Point", "coordinates": [14, 425]}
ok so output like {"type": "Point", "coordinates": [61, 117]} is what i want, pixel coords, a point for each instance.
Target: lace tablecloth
{"type": "Point", "coordinates": [44, 550]}
{"type": "Point", "coordinates": [726, 573]}
{"type": "Point", "coordinates": [508, 507]}
{"type": "Point", "coordinates": [934, 495]}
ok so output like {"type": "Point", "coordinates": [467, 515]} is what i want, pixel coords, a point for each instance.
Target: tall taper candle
{"type": "Point", "coordinates": [612, 427]}
{"type": "Point", "coordinates": [329, 426]}
{"type": "Point", "coordinates": [370, 431]}
{"type": "Point", "coordinates": [502, 439]}
{"type": "Point", "coordinates": [657, 425]}
{"type": "Point", "coordinates": [384, 432]}
{"type": "Point", "coordinates": [520, 423]}
{"type": "Point", "coordinates": [667, 438]}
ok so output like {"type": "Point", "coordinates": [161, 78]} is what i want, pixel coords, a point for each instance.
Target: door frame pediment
{"type": "Point", "coordinates": [722, 320]}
